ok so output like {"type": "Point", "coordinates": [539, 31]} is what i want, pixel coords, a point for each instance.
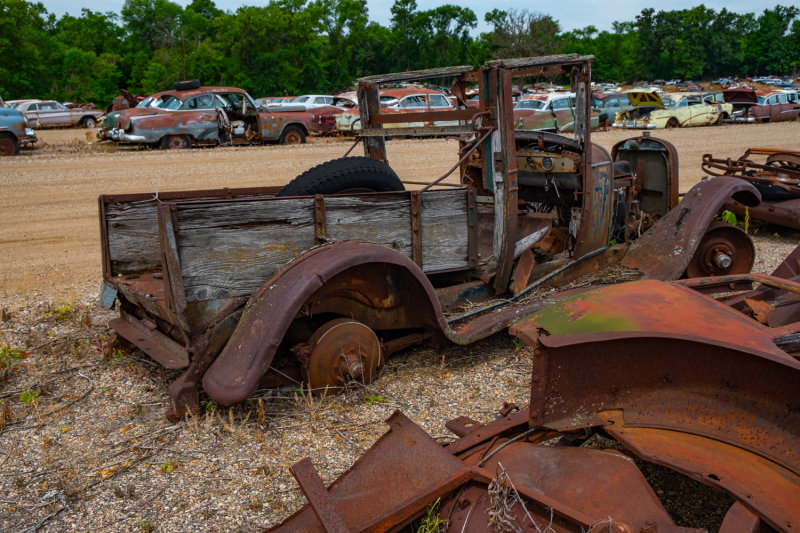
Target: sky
{"type": "Point", "coordinates": [571, 14]}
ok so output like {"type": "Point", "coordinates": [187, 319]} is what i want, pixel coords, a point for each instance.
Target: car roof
{"type": "Point", "coordinates": [200, 90]}
{"type": "Point", "coordinates": [402, 93]}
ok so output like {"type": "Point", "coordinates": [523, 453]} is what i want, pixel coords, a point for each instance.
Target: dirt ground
{"type": "Point", "coordinates": [49, 243]}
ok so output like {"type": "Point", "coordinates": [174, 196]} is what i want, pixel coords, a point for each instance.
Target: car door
{"type": "Point", "coordinates": [53, 114]}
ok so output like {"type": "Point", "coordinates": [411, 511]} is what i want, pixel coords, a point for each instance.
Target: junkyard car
{"type": "Point", "coordinates": [14, 131]}
{"type": "Point", "coordinates": [554, 112]}
{"type": "Point", "coordinates": [202, 115]}
{"type": "Point", "coordinates": [400, 101]}
{"type": "Point", "coordinates": [691, 109]}
{"type": "Point", "coordinates": [51, 114]}
{"type": "Point", "coordinates": [762, 106]}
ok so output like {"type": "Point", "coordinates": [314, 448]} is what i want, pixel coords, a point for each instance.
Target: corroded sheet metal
{"type": "Point", "coordinates": [384, 487]}
{"type": "Point", "coordinates": [665, 250]}
{"type": "Point", "coordinates": [667, 358]}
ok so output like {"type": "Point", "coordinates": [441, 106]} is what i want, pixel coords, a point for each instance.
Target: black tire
{"type": "Point", "coordinates": [89, 122]}
{"type": "Point", "coordinates": [186, 85]}
{"type": "Point", "coordinates": [292, 135]}
{"type": "Point", "coordinates": [720, 119]}
{"type": "Point", "coordinates": [8, 145]}
{"type": "Point", "coordinates": [346, 174]}
{"type": "Point", "coordinates": [176, 142]}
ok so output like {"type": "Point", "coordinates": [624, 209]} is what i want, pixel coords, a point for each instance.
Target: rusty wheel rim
{"type": "Point", "coordinates": [724, 250]}
{"type": "Point", "coordinates": [6, 146]}
{"type": "Point", "coordinates": [343, 351]}
{"type": "Point", "coordinates": [178, 142]}
{"type": "Point", "coordinates": [293, 137]}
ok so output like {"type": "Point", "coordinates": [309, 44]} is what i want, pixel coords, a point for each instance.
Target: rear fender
{"type": "Point", "coordinates": [327, 279]}
{"type": "Point", "coordinates": [664, 251]}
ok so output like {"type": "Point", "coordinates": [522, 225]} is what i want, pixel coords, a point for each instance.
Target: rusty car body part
{"type": "Point", "coordinates": [666, 249]}
{"type": "Point", "coordinates": [714, 400]}
{"type": "Point", "coordinates": [776, 176]}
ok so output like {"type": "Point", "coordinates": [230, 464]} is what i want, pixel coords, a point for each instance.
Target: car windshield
{"type": "Point", "coordinates": [529, 104]}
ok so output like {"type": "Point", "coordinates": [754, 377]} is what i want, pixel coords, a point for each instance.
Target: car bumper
{"type": "Point", "coordinates": [29, 137]}
{"type": "Point", "coordinates": [633, 125]}
{"type": "Point", "coordinates": [118, 134]}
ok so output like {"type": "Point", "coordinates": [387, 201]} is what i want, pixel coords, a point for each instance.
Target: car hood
{"type": "Point", "coordinates": [645, 99]}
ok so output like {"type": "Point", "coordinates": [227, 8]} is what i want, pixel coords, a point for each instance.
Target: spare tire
{"type": "Point", "coordinates": [186, 85]}
{"type": "Point", "coordinates": [345, 175]}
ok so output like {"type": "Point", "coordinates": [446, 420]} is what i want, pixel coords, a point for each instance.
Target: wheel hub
{"type": "Point", "coordinates": [724, 249]}
{"type": "Point", "coordinates": [343, 351]}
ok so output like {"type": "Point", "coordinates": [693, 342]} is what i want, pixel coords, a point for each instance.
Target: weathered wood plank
{"type": "Point", "coordinates": [445, 235]}
{"type": "Point", "coordinates": [133, 237]}
{"type": "Point", "coordinates": [231, 248]}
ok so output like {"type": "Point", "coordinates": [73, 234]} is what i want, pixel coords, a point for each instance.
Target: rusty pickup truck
{"type": "Point", "coordinates": [319, 281]}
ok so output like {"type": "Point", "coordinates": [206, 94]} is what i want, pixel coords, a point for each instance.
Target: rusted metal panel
{"type": "Point", "coordinates": [361, 496]}
{"type": "Point", "coordinates": [505, 177]}
{"type": "Point", "coordinates": [664, 251]}
{"type": "Point", "coordinates": [598, 202]}
{"type": "Point", "coordinates": [771, 490]}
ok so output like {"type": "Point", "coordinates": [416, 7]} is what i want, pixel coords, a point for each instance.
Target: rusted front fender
{"type": "Point", "coordinates": [235, 374]}
{"type": "Point", "coordinates": [666, 249]}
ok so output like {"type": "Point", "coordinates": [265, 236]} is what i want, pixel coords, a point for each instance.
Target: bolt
{"type": "Point", "coordinates": [723, 261]}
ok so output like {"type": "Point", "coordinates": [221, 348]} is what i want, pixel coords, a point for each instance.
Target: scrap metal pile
{"type": "Point", "coordinates": [777, 178]}
{"type": "Point", "coordinates": [699, 376]}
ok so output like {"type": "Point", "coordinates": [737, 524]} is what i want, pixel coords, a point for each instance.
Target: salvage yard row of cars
{"type": "Point", "coordinates": [191, 114]}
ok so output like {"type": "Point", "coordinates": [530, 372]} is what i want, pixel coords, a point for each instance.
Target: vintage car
{"type": "Point", "coordinates": [762, 106]}
{"type": "Point", "coordinates": [202, 115]}
{"type": "Point", "coordinates": [608, 104]}
{"type": "Point", "coordinates": [52, 114]}
{"type": "Point", "coordinates": [690, 109]}
{"type": "Point", "coordinates": [410, 100]}
{"type": "Point", "coordinates": [14, 131]}
{"type": "Point", "coordinates": [553, 112]}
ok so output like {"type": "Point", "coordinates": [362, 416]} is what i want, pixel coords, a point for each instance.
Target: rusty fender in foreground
{"type": "Point", "coordinates": [676, 377]}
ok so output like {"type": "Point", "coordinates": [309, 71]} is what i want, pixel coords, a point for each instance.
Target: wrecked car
{"type": "Point", "coordinates": [319, 281]}
{"type": "Point", "coordinates": [696, 376]}
{"type": "Point", "coordinates": [690, 109]}
{"type": "Point", "coordinates": [14, 131]}
{"type": "Point", "coordinates": [553, 112]}
{"type": "Point", "coordinates": [761, 106]}
{"type": "Point", "coordinates": [52, 114]}
{"type": "Point", "coordinates": [400, 101]}
{"type": "Point", "coordinates": [203, 115]}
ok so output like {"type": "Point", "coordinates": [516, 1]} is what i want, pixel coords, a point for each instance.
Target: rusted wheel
{"type": "Point", "coordinates": [174, 142]}
{"type": "Point", "coordinates": [292, 135]}
{"type": "Point", "coordinates": [784, 161]}
{"type": "Point", "coordinates": [343, 351]}
{"type": "Point", "coordinates": [724, 249]}
{"type": "Point", "coordinates": [8, 145]}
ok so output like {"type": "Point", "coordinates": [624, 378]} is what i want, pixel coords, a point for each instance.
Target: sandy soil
{"type": "Point", "coordinates": [50, 241]}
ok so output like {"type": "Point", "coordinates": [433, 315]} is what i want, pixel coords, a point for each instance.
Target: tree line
{"type": "Point", "coordinates": [322, 46]}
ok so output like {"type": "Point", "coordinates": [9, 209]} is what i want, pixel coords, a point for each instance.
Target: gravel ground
{"type": "Point", "coordinates": [83, 441]}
